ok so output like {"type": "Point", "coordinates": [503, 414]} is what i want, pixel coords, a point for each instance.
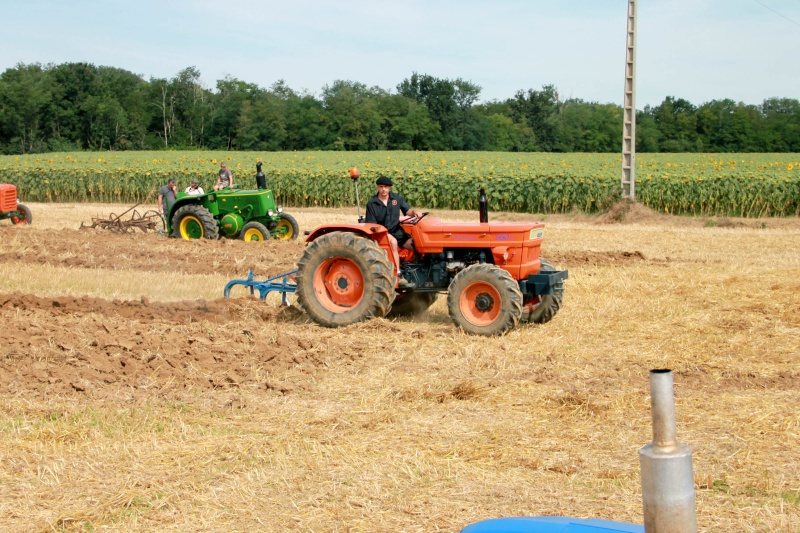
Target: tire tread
{"type": "Point", "coordinates": [379, 278]}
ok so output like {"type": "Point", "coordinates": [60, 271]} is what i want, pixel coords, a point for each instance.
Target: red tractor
{"type": "Point", "coordinates": [11, 208]}
{"type": "Point", "coordinates": [491, 272]}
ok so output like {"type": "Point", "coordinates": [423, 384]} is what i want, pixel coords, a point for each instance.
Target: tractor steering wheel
{"type": "Point", "coordinates": [415, 220]}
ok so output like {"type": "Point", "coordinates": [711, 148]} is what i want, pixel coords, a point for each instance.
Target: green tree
{"type": "Point", "coordinates": [189, 108]}
{"type": "Point", "coordinates": [539, 111]}
{"type": "Point", "coordinates": [229, 102]}
{"type": "Point", "coordinates": [306, 127]}
{"type": "Point", "coordinates": [647, 133]}
{"type": "Point", "coordinates": [352, 116]}
{"type": "Point", "coordinates": [438, 97]}
{"type": "Point", "coordinates": [677, 123]}
{"type": "Point", "coordinates": [262, 123]}
{"type": "Point", "coordinates": [126, 99]}
{"type": "Point", "coordinates": [405, 124]}
{"type": "Point", "coordinates": [781, 118]}
{"type": "Point", "coordinates": [25, 92]}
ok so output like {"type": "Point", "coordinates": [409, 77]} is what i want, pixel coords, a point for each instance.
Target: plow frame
{"type": "Point", "coordinates": [148, 221]}
{"type": "Point", "coordinates": [285, 286]}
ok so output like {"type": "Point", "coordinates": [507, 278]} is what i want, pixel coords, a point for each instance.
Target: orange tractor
{"type": "Point", "coordinates": [11, 208]}
{"type": "Point", "coordinates": [492, 273]}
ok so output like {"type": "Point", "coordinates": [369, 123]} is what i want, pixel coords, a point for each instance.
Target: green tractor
{"type": "Point", "coordinates": [251, 215]}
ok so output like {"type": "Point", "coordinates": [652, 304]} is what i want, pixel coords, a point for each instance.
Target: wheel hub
{"type": "Point", "coordinates": [191, 228]}
{"type": "Point", "coordinates": [484, 302]}
{"type": "Point", "coordinates": [339, 284]}
{"type": "Point", "coordinates": [480, 303]}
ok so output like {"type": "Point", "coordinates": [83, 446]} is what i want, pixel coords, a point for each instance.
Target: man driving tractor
{"type": "Point", "coordinates": [384, 208]}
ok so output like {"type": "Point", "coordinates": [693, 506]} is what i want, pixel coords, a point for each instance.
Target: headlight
{"type": "Point", "coordinates": [280, 209]}
{"type": "Point", "coordinates": [270, 212]}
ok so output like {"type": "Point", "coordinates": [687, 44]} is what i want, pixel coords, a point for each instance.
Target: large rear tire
{"type": "Point", "coordinates": [25, 216]}
{"type": "Point", "coordinates": [484, 299]}
{"type": "Point", "coordinates": [194, 222]}
{"type": "Point", "coordinates": [343, 278]}
{"type": "Point", "coordinates": [413, 304]}
{"type": "Point", "coordinates": [287, 228]}
{"type": "Point", "coordinates": [541, 309]}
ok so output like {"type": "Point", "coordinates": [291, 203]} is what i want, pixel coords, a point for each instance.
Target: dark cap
{"type": "Point", "coordinates": [383, 180]}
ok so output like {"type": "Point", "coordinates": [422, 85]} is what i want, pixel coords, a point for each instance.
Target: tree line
{"type": "Point", "coordinates": [80, 106]}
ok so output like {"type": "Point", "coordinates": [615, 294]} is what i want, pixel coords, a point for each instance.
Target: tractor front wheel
{"type": "Point", "coordinates": [541, 309]}
{"type": "Point", "coordinates": [343, 278]}
{"type": "Point", "coordinates": [254, 231]}
{"type": "Point", "coordinates": [194, 222]}
{"type": "Point", "coordinates": [24, 216]}
{"type": "Point", "coordinates": [287, 228]}
{"type": "Point", "coordinates": [484, 299]}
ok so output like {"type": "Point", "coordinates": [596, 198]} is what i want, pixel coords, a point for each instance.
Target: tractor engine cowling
{"type": "Point", "coordinates": [231, 224]}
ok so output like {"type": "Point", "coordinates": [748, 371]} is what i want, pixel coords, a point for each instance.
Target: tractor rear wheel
{"type": "Point", "coordinates": [484, 299]}
{"type": "Point", "coordinates": [343, 278]}
{"type": "Point", "coordinates": [287, 228]}
{"type": "Point", "coordinates": [413, 304]}
{"type": "Point", "coordinates": [194, 222]}
{"type": "Point", "coordinates": [541, 309]}
{"type": "Point", "coordinates": [24, 216]}
{"type": "Point", "coordinates": [254, 231]}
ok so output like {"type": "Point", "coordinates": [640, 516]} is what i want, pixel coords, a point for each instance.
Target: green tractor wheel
{"type": "Point", "coordinates": [194, 222]}
{"type": "Point", "coordinates": [287, 228]}
{"type": "Point", "coordinates": [254, 231]}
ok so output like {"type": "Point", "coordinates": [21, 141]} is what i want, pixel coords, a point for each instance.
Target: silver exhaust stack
{"type": "Point", "coordinates": [666, 465]}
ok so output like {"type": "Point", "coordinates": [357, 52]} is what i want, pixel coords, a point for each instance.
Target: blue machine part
{"type": "Point", "coordinates": [551, 524]}
{"type": "Point", "coordinates": [285, 286]}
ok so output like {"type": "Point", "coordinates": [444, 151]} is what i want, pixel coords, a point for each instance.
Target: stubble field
{"type": "Point", "coordinates": [134, 398]}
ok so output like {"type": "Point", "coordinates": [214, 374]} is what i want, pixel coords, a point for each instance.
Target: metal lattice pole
{"type": "Point", "coordinates": [629, 112]}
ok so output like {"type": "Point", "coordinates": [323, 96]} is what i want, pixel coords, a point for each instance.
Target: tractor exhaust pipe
{"type": "Point", "coordinates": [483, 206]}
{"type": "Point", "coordinates": [666, 464]}
{"type": "Point", "coordinates": [261, 179]}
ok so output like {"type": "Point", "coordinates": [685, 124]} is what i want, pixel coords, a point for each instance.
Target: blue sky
{"type": "Point", "coordinates": [700, 50]}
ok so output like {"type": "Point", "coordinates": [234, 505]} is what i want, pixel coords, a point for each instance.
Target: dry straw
{"type": "Point", "coordinates": [240, 416]}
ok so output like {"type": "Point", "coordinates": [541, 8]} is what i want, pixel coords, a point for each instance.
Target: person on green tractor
{"type": "Point", "coordinates": [166, 196]}
{"type": "Point", "coordinates": [224, 178]}
{"type": "Point", "coordinates": [194, 189]}
{"type": "Point", "coordinates": [384, 208]}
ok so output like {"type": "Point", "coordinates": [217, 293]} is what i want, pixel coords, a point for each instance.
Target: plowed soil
{"type": "Point", "coordinates": [67, 344]}
{"type": "Point", "coordinates": [98, 249]}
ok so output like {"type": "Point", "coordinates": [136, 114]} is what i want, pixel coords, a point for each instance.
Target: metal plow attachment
{"type": "Point", "coordinates": [149, 221]}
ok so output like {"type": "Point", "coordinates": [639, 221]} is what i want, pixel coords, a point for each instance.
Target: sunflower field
{"type": "Point", "coordinates": [746, 185]}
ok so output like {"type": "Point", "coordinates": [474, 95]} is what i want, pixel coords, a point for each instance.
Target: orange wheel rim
{"type": "Point", "coordinates": [480, 303]}
{"type": "Point", "coordinates": [338, 284]}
